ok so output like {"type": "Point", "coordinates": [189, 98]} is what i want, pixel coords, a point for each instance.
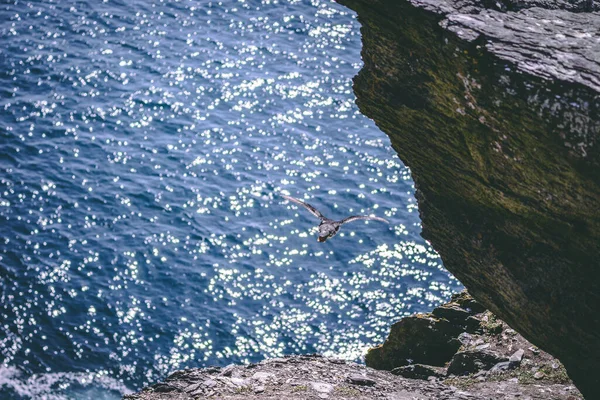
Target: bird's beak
{"type": "Point", "coordinates": [321, 239]}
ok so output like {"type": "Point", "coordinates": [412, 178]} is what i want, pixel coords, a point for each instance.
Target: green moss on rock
{"type": "Point", "coordinates": [507, 170]}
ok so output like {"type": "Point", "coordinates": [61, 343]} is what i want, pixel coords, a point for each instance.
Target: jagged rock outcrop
{"type": "Point", "coordinates": [494, 106]}
{"type": "Point", "coordinates": [430, 339]}
{"type": "Point", "coordinates": [488, 350]}
{"type": "Point", "coordinates": [468, 375]}
{"type": "Point", "coordinates": [422, 339]}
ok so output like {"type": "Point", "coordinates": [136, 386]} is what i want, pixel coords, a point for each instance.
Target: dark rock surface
{"type": "Point", "coordinates": [472, 361]}
{"type": "Point", "coordinates": [538, 376]}
{"type": "Point", "coordinates": [494, 106]}
{"type": "Point", "coordinates": [419, 371]}
{"type": "Point", "coordinates": [455, 343]}
{"type": "Point", "coordinates": [421, 339]}
{"type": "Point", "coordinates": [492, 352]}
{"type": "Point", "coordinates": [430, 339]}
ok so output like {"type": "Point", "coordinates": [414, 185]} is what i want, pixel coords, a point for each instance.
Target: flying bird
{"type": "Point", "coordinates": [328, 227]}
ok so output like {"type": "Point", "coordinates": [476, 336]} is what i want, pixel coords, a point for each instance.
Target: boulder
{"type": "Point", "coordinates": [516, 357]}
{"type": "Point", "coordinates": [428, 338]}
{"type": "Point", "coordinates": [473, 325]}
{"type": "Point", "coordinates": [501, 367]}
{"type": "Point", "coordinates": [361, 380]}
{"type": "Point", "coordinates": [452, 313]}
{"type": "Point", "coordinates": [421, 339]}
{"type": "Point", "coordinates": [472, 361]}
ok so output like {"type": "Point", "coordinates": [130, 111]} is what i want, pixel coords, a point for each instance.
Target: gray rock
{"type": "Point", "coordinates": [419, 371]}
{"type": "Point", "coordinates": [178, 374]}
{"type": "Point", "coordinates": [263, 377]}
{"type": "Point", "coordinates": [209, 383]}
{"type": "Point", "coordinates": [239, 382]}
{"type": "Point", "coordinates": [515, 359]}
{"type": "Point", "coordinates": [471, 361]}
{"type": "Point", "coordinates": [465, 338]}
{"type": "Point", "coordinates": [423, 339]}
{"type": "Point", "coordinates": [323, 379]}
{"type": "Point", "coordinates": [200, 388]}
{"type": "Point", "coordinates": [452, 313]}
{"type": "Point", "coordinates": [571, 35]}
{"type": "Point", "coordinates": [276, 360]}
{"type": "Point", "coordinates": [500, 367]}
{"type": "Point", "coordinates": [321, 387]}
{"type": "Point", "coordinates": [539, 375]}
{"type": "Point", "coordinates": [193, 388]}
{"type": "Point", "coordinates": [516, 266]}
{"type": "Point", "coordinates": [228, 370]}
{"type": "Point", "coordinates": [361, 380]}
{"type": "Point", "coordinates": [481, 374]}
{"type": "Point", "coordinates": [165, 388]}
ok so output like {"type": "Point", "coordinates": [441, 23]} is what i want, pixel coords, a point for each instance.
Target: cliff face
{"type": "Point", "coordinates": [495, 109]}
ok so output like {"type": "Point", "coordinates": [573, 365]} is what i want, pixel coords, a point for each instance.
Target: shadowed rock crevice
{"type": "Point", "coordinates": [431, 339]}
{"type": "Point", "coordinates": [496, 114]}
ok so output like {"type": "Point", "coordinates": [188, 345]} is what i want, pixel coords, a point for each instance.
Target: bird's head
{"type": "Point", "coordinates": [326, 230]}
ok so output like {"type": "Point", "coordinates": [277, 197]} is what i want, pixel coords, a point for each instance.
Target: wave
{"type": "Point", "coordinates": [98, 385]}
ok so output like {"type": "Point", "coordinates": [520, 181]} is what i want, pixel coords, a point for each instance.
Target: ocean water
{"type": "Point", "coordinates": [144, 146]}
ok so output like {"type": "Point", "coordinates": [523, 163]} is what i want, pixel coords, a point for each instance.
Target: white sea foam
{"type": "Point", "coordinates": [62, 385]}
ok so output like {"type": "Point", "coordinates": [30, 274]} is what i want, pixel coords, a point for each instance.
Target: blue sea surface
{"type": "Point", "coordinates": [144, 146]}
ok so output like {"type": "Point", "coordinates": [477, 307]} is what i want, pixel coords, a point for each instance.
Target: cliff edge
{"type": "Point", "coordinates": [494, 106]}
{"type": "Point", "coordinates": [459, 351]}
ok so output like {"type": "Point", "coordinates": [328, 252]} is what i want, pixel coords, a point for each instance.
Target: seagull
{"type": "Point", "coordinates": [328, 227]}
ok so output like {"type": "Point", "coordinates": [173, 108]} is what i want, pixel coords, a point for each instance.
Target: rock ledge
{"type": "Point", "coordinates": [495, 363]}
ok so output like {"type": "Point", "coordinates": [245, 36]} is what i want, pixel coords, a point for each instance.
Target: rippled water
{"type": "Point", "coordinates": [143, 146]}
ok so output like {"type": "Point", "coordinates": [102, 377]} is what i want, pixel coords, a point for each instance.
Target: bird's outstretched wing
{"type": "Point", "coordinates": [310, 208]}
{"type": "Point", "coordinates": [357, 217]}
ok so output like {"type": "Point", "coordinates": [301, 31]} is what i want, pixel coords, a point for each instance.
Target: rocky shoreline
{"type": "Point", "coordinates": [459, 351]}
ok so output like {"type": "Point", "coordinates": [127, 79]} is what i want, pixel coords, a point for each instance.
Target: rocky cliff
{"type": "Point", "coordinates": [459, 351]}
{"type": "Point", "coordinates": [494, 106]}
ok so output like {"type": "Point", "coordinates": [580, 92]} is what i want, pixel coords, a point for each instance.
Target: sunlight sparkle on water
{"type": "Point", "coordinates": [145, 146]}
